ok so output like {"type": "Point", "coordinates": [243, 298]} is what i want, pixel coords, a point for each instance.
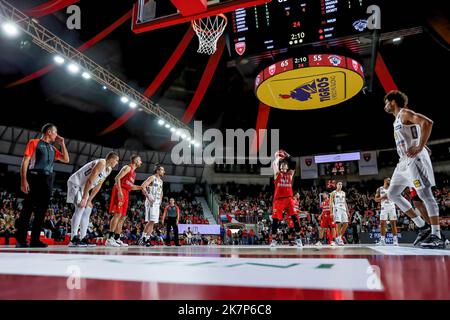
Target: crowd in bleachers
{"type": "Point", "coordinates": [246, 203]}
{"type": "Point", "coordinates": [252, 204]}
{"type": "Point", "coordinates": [57, 223]}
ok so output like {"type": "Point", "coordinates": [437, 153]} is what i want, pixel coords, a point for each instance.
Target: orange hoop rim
{"type": "Point", "coordinates": [197, 27]}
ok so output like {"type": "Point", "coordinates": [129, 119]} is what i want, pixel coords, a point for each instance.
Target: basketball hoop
{"type": "Point", "coordinates": [209, 30]}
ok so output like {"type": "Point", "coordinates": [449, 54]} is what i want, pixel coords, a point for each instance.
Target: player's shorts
{"type": "Point", "coordinates": [340, 215]}
{"type": "Point", "coordinates": [280, 205]}
{"type": "Point", "coordinates": [152, 211]}
{"type": "Point", "coordinates": [414, 172]}
{"type": "Point", "coordinates": [118, 206]}
{"type": "Point", "coordinates": [74, 193]}
{"type": "Point", "coordinates": [388, 213]}
{"type": "Point", "coordinates": [326, 221]}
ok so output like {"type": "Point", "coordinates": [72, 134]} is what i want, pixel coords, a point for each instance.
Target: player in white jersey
{"type": "Point", "coordinates": [152, 188]}
{"type": "Point", "coordinates": [339, 209]}
{"type": "Point", "coordinates": [388, 212]}
{"type": "Point", "coordinates": [82, 187]}
{"type": "Point", "coordinates": [414, 169]}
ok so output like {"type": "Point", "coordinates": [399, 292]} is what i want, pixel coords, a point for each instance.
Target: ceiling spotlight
{"type": "Point", "coordinates": [172, 129]}
{"type": "Point", "coordinates": [193, 141]}
{"type": "Point", "coordinates": [73, 68]}
{"type": "Point", "coordinates": [124, 99]}
{"type": "Point", "coordinates": [10, 29]}
{"type": "Point", "coordinates": [59, 59]}
{"type": "Point", "coordinates": [167, 126]}
{"type": "Point", "coordinates": [86, 75]}
{"type": "Point", "coordinates": [161, 122]}
{"type": "Point", "coordinates": [189, 139]}
{"type": "Point", "coordinates": [197, 144]}
{"type": "Point", "coordinates": [133, 104]}
{"type": "Point", "coordinates": [183, 136]}
{"type": "Point", "coordinates": [397, 39]}
{"type": "Point", "coordinates": [178, 133]}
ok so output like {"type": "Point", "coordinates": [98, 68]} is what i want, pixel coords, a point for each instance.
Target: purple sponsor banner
{"type": "Point", "coordinates": [338, 157]}
{"type": "Point", "coordinates": [200, 228]}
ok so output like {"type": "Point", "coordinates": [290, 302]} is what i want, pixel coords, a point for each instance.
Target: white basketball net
{"type": "Point", "coordinates": [209, 30]}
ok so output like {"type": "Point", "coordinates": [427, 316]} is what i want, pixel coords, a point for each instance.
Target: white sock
{"type": "Point", "coordinates": [76, 220]}
{"type": "Point", "coordinates": [383, 237]}
{"type": "Point", "coordinates": [85, 222]}
{"type": "Point", "coordinates": [436, 230]}
{"type": "Point", "coordinates": [144, 236]}
{"type": "Point", "coordinates": [418, 221]}
{"type": "Point", "coordinates": [395, 237]}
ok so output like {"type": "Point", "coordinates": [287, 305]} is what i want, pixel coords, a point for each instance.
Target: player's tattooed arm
{"type": "Point", "coordinates": [378, 195]}
{"type": "Point", "coordinates": [119, 177]}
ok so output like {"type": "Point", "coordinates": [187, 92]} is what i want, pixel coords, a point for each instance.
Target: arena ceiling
{"type": "Point", "coordinates": [419, 65]}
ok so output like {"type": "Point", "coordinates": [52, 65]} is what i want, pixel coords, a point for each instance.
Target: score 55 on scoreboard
{"type": "Point", "coordinates": [284, 24]}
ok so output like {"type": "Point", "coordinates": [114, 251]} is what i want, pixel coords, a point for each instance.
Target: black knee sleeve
{"type": "Point", "coordinates": [296, 223]}
{"type": "Point", "coordinates": [275, 226]}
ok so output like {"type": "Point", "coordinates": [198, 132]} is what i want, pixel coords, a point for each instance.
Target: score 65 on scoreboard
{"type": "Point", "coordinates": [282, 24]}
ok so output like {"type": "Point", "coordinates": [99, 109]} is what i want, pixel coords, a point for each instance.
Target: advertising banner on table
{"type": "Point", "coordinates": [368, 163]}
{"type": "Point", "coordinates": [200, 228]}
{"type": "Point", "coordinates": [308, 168]}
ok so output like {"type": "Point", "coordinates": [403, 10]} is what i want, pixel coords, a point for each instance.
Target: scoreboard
{"type": "Point", "coordinates": [284, 24]}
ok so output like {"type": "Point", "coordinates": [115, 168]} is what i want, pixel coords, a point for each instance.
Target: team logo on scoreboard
{"type": "Point", "coordinates": [367, 156]}
{"type": "Point", "coordinates": [324, 89]}
{"type": "Point", "coordinates": [302, 93]}
{"type": "Point", "coordinates": [335, 60]}
{"type": "Point", "coordinates": [308, 161]}
{"type": "Point", "coordinates": [240, 47]}
{"type": "Point", "coordinates": [360, 25]}
{"type": "Point", "coordinates": [272, 69]}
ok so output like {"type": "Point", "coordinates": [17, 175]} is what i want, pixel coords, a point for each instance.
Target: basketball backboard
{"type": "Point", "coordinates": [154, 14]}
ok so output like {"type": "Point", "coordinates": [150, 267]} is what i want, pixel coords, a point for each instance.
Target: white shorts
{"type": "Point", "coordinates": [340, 215]}
{"type": "Point", "coordinates": [152, 211]}
{"type": "Point", "coordinates": [74, 193]}
{"type": "Point", "coordinates": [388, 214]}
{"type": "Point", "coordinates": [414, 172]}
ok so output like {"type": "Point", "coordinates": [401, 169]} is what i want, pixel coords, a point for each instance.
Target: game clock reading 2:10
{"type": "Point", "coordinates": [288, 23]}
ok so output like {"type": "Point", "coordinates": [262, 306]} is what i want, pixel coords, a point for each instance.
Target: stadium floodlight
{"type": "Point", "coordinates": [73, 68]}
{"type": "Point", "coordinates": [10, 29]}
{"type": "Point", "coordinates": [59, 59]}
{"type": "Point", "coordinates": [124, 99]}
{"type": "Point", "coordinates": [86, 75]}
{"type": "Point", "coordinates": [161, 122]}
{"type": "Point", "coordinates": [133, 104]}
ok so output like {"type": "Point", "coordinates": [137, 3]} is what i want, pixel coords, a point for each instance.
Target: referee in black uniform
{"type": "Point", "coordinates": [172, 212]}
{"type": "Point", "coordinates": [36, 175]}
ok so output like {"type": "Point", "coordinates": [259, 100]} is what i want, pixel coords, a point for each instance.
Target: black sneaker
{"type": "Point", "coordinates": [75, 242]}
{"type": "Point", "coordinates": [433, 242]}
{"type": "Point", "coordinates": [141, 242]}
{"type": "Point", "coordinates": [38, 244]}
{"type": "Point", "coordinates": [148, 243]}
{"type": "Point", "coordinates": [85, 243]}
{"type": "Point", "coordinates": [424, 232]}
{"type": "Point", "coordinates": [22, 245]}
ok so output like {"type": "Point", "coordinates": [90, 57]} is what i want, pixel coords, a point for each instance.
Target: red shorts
{"type": "Point", "coordinates": [279, 205]}
{"type": "Point", "coordinates": [326, 221]}
{"type": "Point", "coordinates": [116, 205]}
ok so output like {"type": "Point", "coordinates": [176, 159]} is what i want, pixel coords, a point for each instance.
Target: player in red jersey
{"type": "Point", "coordinates": [326, 220]}
{"type": "Point", "coordinates": [119, 200]}
{"type": "Point", "coordinates": [283, 199]}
